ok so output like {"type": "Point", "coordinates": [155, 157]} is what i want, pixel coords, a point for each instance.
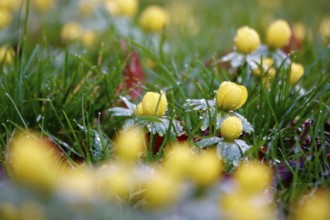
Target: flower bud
{"type": "Point", "coordinates": [206, 169]}
{"type": "Point", "coordinates": [154, 104]}
{"type": "Point", "coordinates": [42, 5]}
{"type": "Point", "coordinates": [70, 31]}
{"type": "Point", "coordinates": [253, 177]}
{"type": "Point", "coordinates": [278, 34]}
{"type": "Point", "coordinates": [5, 18]}
{"type": "Point", "coordinates": [267, 64]}
{"type": "Point", "coordinates": [178, 160]}
{"type": "Point", "coordinates": [34, 163]}
{"type": "Point", "coordinates": [324, 30]}
{"type": "Point", "coordinates": [126, 8]}
{"type": "Point", "coordinates": [297, 70]}
{"type": "Point", "coordinates": [246, 40]}
{"type": "Point", "coordinates": [231, 96]}
{"type": "Point", "coordinates": [161, 190]}
{"type": "Point", "coordinates": [6, 55]}
{"type": "Point", "coordinates": [154, 19]}
{"type": "Point", "coordinates": [231, 128]}
{"type": "Point", "coordinates": [129, 144]}
{"type": "Point", "coordinates": [138, 110]}
{"type": "Point", "coordinates": [88, 39]}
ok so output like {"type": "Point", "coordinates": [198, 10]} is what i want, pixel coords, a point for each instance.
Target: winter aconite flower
{"type": "Point", "coordinates": [5, 17]}
{"type": "Point", "coordinates": [42, 5]}
{"type": "Point", "coordinates": [130, 143]}
{"type": "Point", "coordinates": [126, 8]}
{"type": "Point", "coordinates": [138, 110]}
{"type": "Point", "coordinates": [71, 31]}
{"type": "Point", "coordinates": [246, 40]}
{"type": "Point", "coordinates": [267, 68]}
{"type": "Point", "coordinates": [161, 190]}
{"type": "Point", "coordinates": [6, 55]}
{"type": "Point", "coordinates": [324, 30]}
{"type": "Point", "coordinates": [313, 206]}
{"type": "Point", "coordinates": [206, 168]}
{"type": "Point", "coordinates": [88, 38]}
{"type": "Point", "coordinates": [231, 128]}
{"type": "Point", "coordinates": [231, 96]}
{"type": "Point", "coordinates": [278, 34]}
{"type": "Point", "coordinates": [34, 163]}
{"type": "Point", "coordinates": [154, 19]}
{"type": "Point", "coordinates": [297, 70]}
{"type": "Point", "coordinates": [253, 177]}
{"type": "Point", "coordinates": [154, 104]}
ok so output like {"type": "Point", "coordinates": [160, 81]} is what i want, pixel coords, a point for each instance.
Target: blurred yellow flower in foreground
{"type": "Point", "coordinates": [314, 206]}
{"type": "Point", "coordinates": [77, 183]}
{"type": "Point", "coordinates": [5, 17]}
{"type": "Point", "coordinates": [231, 128]}
{"type": "Point", "coordinates": [161, 189]}
{"type": "Point", "coordinates": [88, 39]}
{"type": "Point", "coordinates": [116, 180]}
{"type": "Point", "coordinates": [71, 31]}
{"type": "Point", "coordinates": [178, 160]}
{"type": "Point", "coordinates": [130, 144]}
{"type": "Point", "coordinates": [154, 19]}
{"type": "Point", "coordinates": [6, 55]}
{"type": "Point", "coordinates": [154, 104]}
{"type": "Point", "coordinates": [278, 34]}
{"type": "Point", "coordinates": [325, 30]}
{"type": "Point", "coordinates": [231, 96]}
{"type": "Point", "coordinates": [10, 4]}
{"type": "Point", "coordinates": [206, 169]}
{"type": "Point", "coordinates": [253, 177]}
{"type": "Point", "coordinates": [235, 206]}
{"type": "Point", "coordinates": [126, 8]}
{"type": "Point", "coordinates": [297, 71]}
{"type": "Point", "coordinates": [42, 5]}
{"type": "Point", "coordinates": [246, 40]}
{"type": "Point", "coordinates": [33, 162]}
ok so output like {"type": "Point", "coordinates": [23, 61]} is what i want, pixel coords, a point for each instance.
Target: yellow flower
{"type": "Point", "coordinates": [138, 110]}
{"type": "Point", "coordinates": [33, 162]}
{"type": "Point", "coordinates": [236, 206]}
{"type": "Point", "coordinates": [126, 8]}
{"type": "Point", "coordinates": [6, 55]}
{"type": "Point", "coordinates": [206, 168]}
{"type": "Point", "coordinates": [299, 30]}
{"type": "Point", "coordinates": [71, 31]}
{"type": "Point", "coordinates": [154, 19]}
{"type": "Point", "coordinates": [10, 4]}
{"type": "Point", "coordinates": [297, 70]}
{"type": "Point", "coordinates": [231, 96]}
{"type": "Point", "coordinates": [88, 38]}
{"type": "Point", "coordinates": [231, 128]}
{"type": "Point", "coordinates": [8, 211]}
{"type": "Point", "coordinates": [129, 144]}
{"type": "Point", "coordinates": [42, 5]}
{"type": "Point", "coordinates": [253, 177]}
{"type": "Point", "coordinates": [161, 190]}
{"type": "Point", "coordinates": [30, 210]}
{"type": "Point", "coordinates": [267, 64]}
{"type": "Point", "coordinates": [178, 160]}
{"type": "Point", "coordinates": [325, 30]}
{"type": "Point", "coordinates": [314, 206]}
{"type": "Point", "coordinates": [278, 34]}
{"type": "Point", "coordinates": [246, 40]}
{"type": "Point", "coordinates": [154, 104]}
{"type": "Point", "coordinates": [78, 183]}
{"type": "Point", "coordinates": [5, 17]}
{"type": "Point", "coordinates": [116, 180]}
